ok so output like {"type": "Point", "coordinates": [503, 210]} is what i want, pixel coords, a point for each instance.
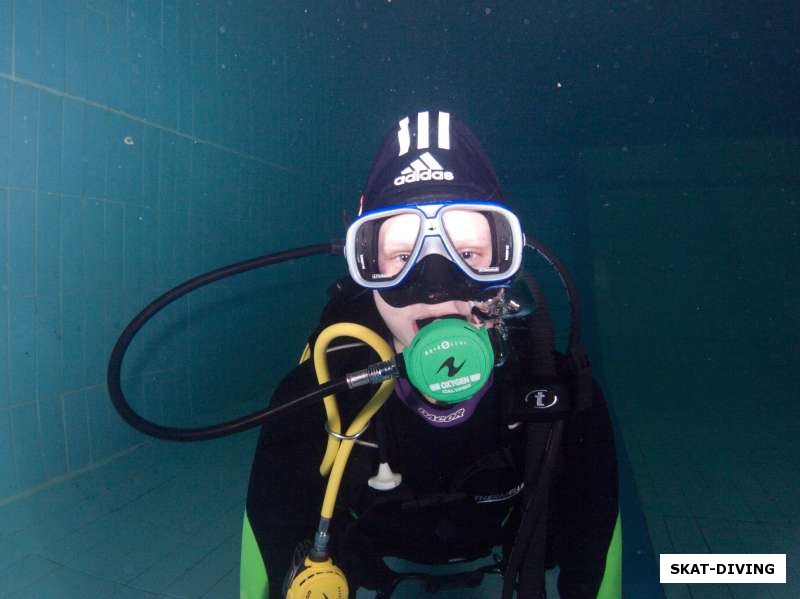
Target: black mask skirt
{"type": "Point", "coordinates": [434, 280]}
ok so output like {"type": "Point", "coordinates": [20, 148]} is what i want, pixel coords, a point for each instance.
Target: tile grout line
{"type": "Point", "coordinates": [203, 558]}
{"type": "Point", "coordinates": [161, 25]}
{"type": "Point", "coordinates": [13, 40]}
{"type": "Point", "coordinates": [12, 436]}
{"type": "Point", "coordinates": [30, 582]}
{"type": "Point", "coordinates": [66, 477]}
{"type": "Point", "coordinates": [67, 459]}
{"type": "Point", "coordinates": [36, 273]}
{"type": "Point", "coordinates": [38, 86]}
{"type": "Point", "coordinates": [5, 283]}
{"type": "Point", "coordinates": [216, 582]}
{"type": "Point", "coordinates": [215, 547]}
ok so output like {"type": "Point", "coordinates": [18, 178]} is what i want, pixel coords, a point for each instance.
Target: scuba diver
{"type": "Point", "coordinates": [520, 465]}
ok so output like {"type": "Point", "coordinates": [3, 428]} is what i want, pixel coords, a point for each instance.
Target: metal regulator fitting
{"type": "Point", "coordinates": [493, 313]}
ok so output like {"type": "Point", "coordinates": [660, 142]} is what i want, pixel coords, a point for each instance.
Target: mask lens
{"type": "Point", "coordinates": [482, 240]}
{"type": "Point", "coordinates": [384, 246]}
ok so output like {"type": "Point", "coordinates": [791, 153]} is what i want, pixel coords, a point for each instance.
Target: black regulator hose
{"type": "Point", "coordinates": [113, 377]}
{"type": "Point", "coordinates": [232, 426]}
{"type": "Point", "coordinates": [567, 283]}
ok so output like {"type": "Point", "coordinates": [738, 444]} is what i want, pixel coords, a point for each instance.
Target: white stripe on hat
{"type": "Point", "coordinates": [431, 162]}
{"type": "Point", "coordinates": [403, 137]}
{"type": "Point", "coordinates": [444, 130]}
{"type": "Point", "coordinates": [418, 165]}
{"type": "Point", "coordinates": [422, 130]}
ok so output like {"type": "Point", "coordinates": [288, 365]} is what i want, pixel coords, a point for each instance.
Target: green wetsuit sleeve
{"type": "Point", "coordinates": [611, 585]}
{"type": "Point", "coordinates": [253, 580]}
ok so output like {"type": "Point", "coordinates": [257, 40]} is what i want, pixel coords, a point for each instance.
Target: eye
{"type": "Point", "coordinates": [468, 254]}
{"type": "Point", "coordinates": [402, 257]}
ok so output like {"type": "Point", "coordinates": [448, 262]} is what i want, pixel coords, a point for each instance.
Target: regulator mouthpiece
{"type": "Point", "coordinates": [449, 360]}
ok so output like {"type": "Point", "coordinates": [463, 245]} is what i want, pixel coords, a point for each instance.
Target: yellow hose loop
{"type": "Point", "coordinates": [343, 453]}
{"type": "Point", "coordinates": [376, 342]}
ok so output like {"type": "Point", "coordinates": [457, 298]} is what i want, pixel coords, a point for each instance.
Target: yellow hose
{"type": "Point", "coordinates": [338, 452]}
{"type": "Point", "coordinates": [305, 355]}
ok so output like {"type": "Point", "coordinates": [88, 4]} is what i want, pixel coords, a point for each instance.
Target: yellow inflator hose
{"type": "Point", "coordinates": [338, 451]}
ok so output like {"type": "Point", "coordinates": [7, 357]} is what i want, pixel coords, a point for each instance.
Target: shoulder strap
{"type": "Point", "coordinates": [579, 370]}
{"type": "Point", "coordinates": [525, 566]}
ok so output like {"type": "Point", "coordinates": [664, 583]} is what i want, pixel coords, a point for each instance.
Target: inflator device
{"type": "Point", "coordinates": [318, 580]}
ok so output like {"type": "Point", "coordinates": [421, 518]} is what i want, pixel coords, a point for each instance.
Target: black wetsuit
{"type": "Point", "coordinates": [460, 493]}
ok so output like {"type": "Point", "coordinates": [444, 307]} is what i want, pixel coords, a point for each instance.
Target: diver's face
{"type": "Point", "coordinates": [470, 235]}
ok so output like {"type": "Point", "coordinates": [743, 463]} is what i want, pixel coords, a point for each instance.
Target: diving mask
{"type": "Point", "coordinates": [484, 240]}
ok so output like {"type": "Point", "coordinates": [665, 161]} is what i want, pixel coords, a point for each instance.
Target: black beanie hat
{"type": "Point", "coordinates": [427, 157]}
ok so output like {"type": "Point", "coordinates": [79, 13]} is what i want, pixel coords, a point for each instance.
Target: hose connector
{"type": "Point", "coordinates": [373, 374]}
{"type": "Point", "coordinates": [319, 551]}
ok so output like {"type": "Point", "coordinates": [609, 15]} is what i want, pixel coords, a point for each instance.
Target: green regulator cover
{"type": "Point", "coordinates": [449, 360]}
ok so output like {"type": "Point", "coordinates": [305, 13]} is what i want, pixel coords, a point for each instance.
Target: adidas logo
{"type": "Point", "coordinates": [424, 168]}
